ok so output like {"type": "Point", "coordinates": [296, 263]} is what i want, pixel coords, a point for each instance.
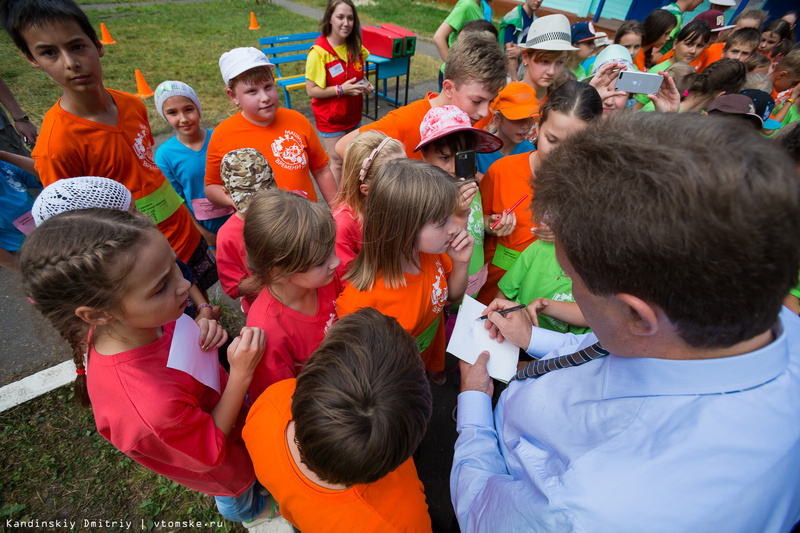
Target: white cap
{"type": "Point", "coordinates": [551, 32]}
{"type": "Point", "coordinates": [85, 192]}
{"type": "Point", "coordinates": [239, 60]}
{"type": "Point", "coordinates": [168, 89]}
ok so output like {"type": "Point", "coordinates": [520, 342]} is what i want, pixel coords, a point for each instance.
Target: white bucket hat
{"type": "Point", "coordinates": [84, 192]}
{"type": "Point", "coordinates": [614, 52]}
{"type": "Point", "coordinates": [552, 32]}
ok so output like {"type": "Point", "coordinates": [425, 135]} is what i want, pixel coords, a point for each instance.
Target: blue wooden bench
{"type": "Point", "coordinates": [284, 49]}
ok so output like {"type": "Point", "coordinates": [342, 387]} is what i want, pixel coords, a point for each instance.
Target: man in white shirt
{"type": "Point", "coordinates": [681, 248]}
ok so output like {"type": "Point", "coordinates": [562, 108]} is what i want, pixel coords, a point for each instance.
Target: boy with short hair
{"type": "Point", "coordinates": [675, 384]}
{"type": "Point", "coordinates": [740, 45]}
{"type": "Point", "coordinates": [447, 33]}
{"type": "Point", "coordinates": [285, 137]}
{"type": "Point", "coordinates": [94, 131]}
{"type": "Point", "coordinates": [475, 73]}
{"type": "Point", "coordinates": [333, 446]}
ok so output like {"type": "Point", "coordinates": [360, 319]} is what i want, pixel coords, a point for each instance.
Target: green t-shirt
{"type": "Point", "coordinates": [675, 10]}
{"type": "Point", "coordinates": [475, 228]}
{"type": "Point", "coordinates": [537, 274]}
{"type": "Point", "coordinates": [664, 65]}
{"type": "Point", "coordinates": [791, 116]}
{"type": "Point", "coordinates": [463, 12]}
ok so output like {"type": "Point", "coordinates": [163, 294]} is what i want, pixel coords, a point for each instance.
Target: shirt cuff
{"type": "Point", "coordinates": [474, 409]}
{"type": "Point", "coordinates": [544, 341]}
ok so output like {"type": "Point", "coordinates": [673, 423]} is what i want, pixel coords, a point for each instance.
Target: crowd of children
{"type": "Point", "coordinates": [313, 410]}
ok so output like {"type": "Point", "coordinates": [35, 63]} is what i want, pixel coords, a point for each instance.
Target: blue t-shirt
{"type": "Point", "coordinates": [186, 171]}
{"type": "Point", "coordinates": [484, 161]}
{"type": "Point", "coordinates": [15, 201]}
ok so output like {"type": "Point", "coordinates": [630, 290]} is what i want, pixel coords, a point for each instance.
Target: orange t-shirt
{"type": "Point", "coordinates": [70, 146]}
{"type": "Point", "coordinates": [403, 124]}
{"type": "Point", "coordinates": [394, 503]}
{"type": "Point", "coordinates": [638, 61]}
{"type": "Point", "coordinates": [417, 306]}
{"type": "Point", "coordinates": [710, 55]}
{"type": "Point", "coordinates": [289, 143]}
{"type": "Point", "coordinates": [506, 181]}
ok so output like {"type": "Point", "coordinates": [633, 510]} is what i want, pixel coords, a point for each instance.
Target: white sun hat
{"type": "Point", "coordinates": [552, 32]}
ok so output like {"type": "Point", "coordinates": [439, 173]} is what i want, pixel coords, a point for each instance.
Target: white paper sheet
{"type": "Point", "coordinates": [186, 355]}
{"type": "Point", "coordinates": [470, 338]}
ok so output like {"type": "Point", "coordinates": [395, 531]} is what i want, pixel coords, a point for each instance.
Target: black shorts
{"type": "Point", "coordinates": [203, 266]}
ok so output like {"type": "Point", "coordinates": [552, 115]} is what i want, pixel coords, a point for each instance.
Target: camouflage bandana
{"type": "Point", "coordinates": [244, 172]}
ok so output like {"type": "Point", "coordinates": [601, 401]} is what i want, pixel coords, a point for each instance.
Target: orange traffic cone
{"type": "Point", "coordinates": [105, 37]}
{"type": "Point", "coordinates": [253, 24]}
{"type": "Point", "coordinates": [142, 89]}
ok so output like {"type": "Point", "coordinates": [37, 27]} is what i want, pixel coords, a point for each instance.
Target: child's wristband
{"type": "Point", "coordinates": [339, 90]}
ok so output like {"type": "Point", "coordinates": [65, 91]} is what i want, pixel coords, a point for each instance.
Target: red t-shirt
{"type": "Point", "coordinates": [69, 146]}
{"type": "Point", "coordinates": [348, 236]}
{"type": "Point", "coordinates": [232, 260]}
{"type": "Point", "coordinates": [403, 124]}
{"type": "Point", "coordinates": [289, 143]}
{"type": "Point", "coordinates": [394, 503]}
{"type": "Point", "coordinates": [417, 306]}
{"type": "Point", "coordinates": [161, 418]}
{"type": "Point", "coordinates": [291, 335]}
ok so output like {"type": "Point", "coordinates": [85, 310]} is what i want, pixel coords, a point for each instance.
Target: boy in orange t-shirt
{"type": "Point", "coordinates": [333, 446]}
{"type": "Point", "coordinates": [94, 131]}
{"type": "Point", "coordinates": [285, 137]}
{"type": "Point", "coordinates": [474, 74]}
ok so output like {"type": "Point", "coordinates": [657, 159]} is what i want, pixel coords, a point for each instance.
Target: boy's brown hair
{"type": "Point", "coordinates": [19, 15]}
{"type": "Point", "coordinates": [744, 37]}
{"type": "Point", "coordinates": [252, 76]}
{"type": "Point", "coordinates": [362, 403]}
{"type": "Point", "coordinates": [790, 63]}
{"type": "Point", "coordinates": [702, 234]}
{"type": "Point", "coordinates": [476, 56]}
{"type": "Point", "coordinates": [285, 233]}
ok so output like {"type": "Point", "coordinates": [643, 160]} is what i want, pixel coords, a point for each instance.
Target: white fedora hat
{"type": "Point", "coordinates": [552, 32]}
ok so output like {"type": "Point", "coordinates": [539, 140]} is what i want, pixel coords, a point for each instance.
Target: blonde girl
{"type": "Point", "coordinates": [290, 250]}
{"type": "Point", "coordinates": [108, 280]}
{"type": "Point", "coordinates": [363, 157]}
{"type": "Point", "coordinates": [414, 256]}
{"type": "Point", "coordinates": [569, 109]}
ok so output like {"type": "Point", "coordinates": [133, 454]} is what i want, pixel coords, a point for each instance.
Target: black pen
{"type": "Point", "coordinates": [504, 311]}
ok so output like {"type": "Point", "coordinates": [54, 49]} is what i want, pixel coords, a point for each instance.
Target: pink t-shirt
{"type": "Point", "coordinates": [291, 335]}
{"type": "Point", "coordinates": [232, 260]}
{"type": "Point", "coordinates": [160, 417]}
{"type": "Point", "coordinates": [348, 236]}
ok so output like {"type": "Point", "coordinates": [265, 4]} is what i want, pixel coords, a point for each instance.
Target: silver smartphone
{"type": "Point", "coordinates": [638, 82]}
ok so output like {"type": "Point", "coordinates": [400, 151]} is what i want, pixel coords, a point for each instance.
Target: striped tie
{"type": "Point", "coordinates": [539, 367]}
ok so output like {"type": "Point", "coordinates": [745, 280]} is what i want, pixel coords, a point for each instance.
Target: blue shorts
{"type": "Point", "coordinates": [337, 133]}
{"type": "Point", "coordinates": [244, 507]}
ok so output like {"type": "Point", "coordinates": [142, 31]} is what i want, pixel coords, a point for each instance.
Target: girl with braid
{"type": "Point", "coordinates": [108, 281]}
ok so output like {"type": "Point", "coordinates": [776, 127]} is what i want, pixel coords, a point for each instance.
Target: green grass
{"type": "Point", "coordinates": [57, 467]}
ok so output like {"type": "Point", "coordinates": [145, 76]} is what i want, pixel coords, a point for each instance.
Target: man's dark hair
{"type": "Point", "coordinates": [19, 15]}
{"type": "Point", "coordinates": [701, 218]}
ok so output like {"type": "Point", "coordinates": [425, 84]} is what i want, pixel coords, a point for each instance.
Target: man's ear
{"type": "Point", "coordinates": [95, 317]}
{"type": "Point", "coordinates": [641, 318]}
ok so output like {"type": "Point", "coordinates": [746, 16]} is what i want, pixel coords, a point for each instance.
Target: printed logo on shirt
{"type": "Point", "coordinates": [12, 181]}
{"type": "Point", "coordinates": [331, 319]}
{"type": "Point", "coordinates": [289, 151]}
{"type": "Point", "coordinates": [144, 149]}
{"type": "Point", "coordinates": [439, 289]}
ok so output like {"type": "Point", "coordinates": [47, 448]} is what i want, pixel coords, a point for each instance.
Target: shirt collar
{"type": "Point", "coordinates": [647, 376]}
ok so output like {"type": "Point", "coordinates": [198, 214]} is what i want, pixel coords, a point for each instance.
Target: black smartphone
{"type": "Point", "coordinates": [465, 166]}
